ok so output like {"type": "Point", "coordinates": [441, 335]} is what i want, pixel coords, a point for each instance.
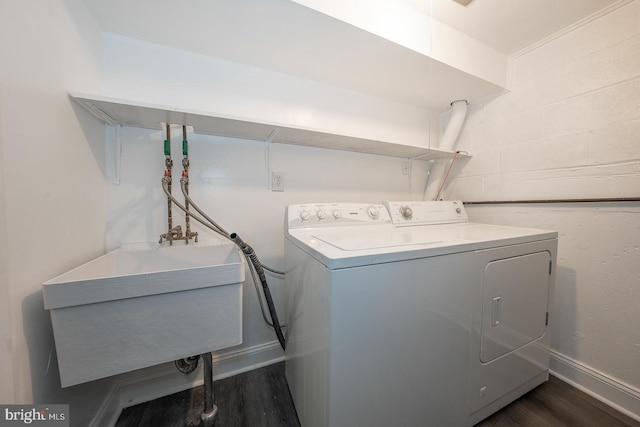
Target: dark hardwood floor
{"type": "Point", "coordinates": [557, 404]}
{"type": "Point", "coordinates": [261, 398]}
{"type": "Point", "coordinates": [258, 398]}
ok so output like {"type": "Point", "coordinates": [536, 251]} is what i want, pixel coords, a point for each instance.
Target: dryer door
{"type": "Point", "coordinates": [514, 307]}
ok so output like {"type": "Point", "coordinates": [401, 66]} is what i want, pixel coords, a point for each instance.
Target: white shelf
{"type": "Point", "coordinates": [148, 116]}
{"type": "Point", "coordinates": [288, 37]}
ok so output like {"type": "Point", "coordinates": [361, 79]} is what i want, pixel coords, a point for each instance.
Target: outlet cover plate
{"type": "Point", "coordinates": [277, 181]}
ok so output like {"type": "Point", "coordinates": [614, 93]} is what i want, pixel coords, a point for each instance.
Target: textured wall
{"type": "Point", "coordinates": [570, 125]}
{"type": "Point", "coordinates": [594, 313]}
{"type": "Point", "coordinates": [570, 128]}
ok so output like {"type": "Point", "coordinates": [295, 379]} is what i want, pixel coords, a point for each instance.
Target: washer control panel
{"type": "Point", "coordinates": [424, 213]}
{"type": "Point", "coordinates": [319, 214]}
{"type": "Point", "coordinates": [399, 213]}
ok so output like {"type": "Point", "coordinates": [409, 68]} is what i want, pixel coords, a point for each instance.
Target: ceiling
{"type": "Point", "coordinates": [511, 25]}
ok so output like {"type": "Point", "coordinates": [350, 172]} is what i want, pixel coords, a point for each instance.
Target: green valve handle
{"type": "Point", "coordinates": [185, 148]}
{"type": "Point", "coordinates": [167, 147]}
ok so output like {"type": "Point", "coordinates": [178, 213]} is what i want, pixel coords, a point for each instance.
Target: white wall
{"type": "Point", "coordinates": [160, 75]}
{"type": "Point", "coordinates": [570, 128]}
{"type": "Point", "coordinates": [52, 187]}
{"type": "Point", "coordinates": [6, 371]}
{"type": "Point", "coordinates": [229, 177]}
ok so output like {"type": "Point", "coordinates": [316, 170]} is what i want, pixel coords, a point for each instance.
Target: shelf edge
{"type": "Point", "coordinates": [113, 111]}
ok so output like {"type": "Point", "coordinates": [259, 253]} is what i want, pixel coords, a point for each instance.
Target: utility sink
{"type": "Point", "coordinates": [144, 305]}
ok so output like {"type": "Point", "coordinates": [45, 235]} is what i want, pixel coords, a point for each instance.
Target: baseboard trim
{"type": "Point", "coordinates": [612, 392]}
{"type": "Point", "coordinates": [162, 380]}
{"type": "Point", "coordinates": [108, 413]}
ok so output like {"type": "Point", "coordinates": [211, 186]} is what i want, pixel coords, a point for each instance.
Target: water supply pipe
{"type": "Point", "coordinates": [175, 233]}
{"type": "Point", "coordinates": [169, 166]}
{"type": "Point", "coordinates": [183, 185]}
{"type": "Point", "coordinates": [184, 181]}
{"type": "Point", "coordinates": [165, 186]}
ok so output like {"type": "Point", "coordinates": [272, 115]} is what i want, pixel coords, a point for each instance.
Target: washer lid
{"type": "Point", "coordinates": [357, 240]}
{"type": "Point", "coordinates": [343, 247]}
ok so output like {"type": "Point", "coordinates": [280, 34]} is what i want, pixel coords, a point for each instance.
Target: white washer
{"type": "Point", "coordinates": [407, 314]}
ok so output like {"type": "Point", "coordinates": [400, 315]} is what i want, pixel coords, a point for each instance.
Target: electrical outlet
{"type": "Point", "coordinates": [406, 167]}
{"type": "Point", "coordinates": [277, 181]}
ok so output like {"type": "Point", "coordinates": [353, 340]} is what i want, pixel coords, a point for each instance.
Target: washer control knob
{"type": "Point", "coordinates": [458, 210]}
{"type": "Point", "coordinates": [321, 214]}
{"type": "Point", "coordinates": [337, 214]}
{"type": "Point", "coordinates": [305, 215]}
{"type": "Point", "coordinates": [406, 212]}
{"type": "Point", "coordinates": [373, 212]}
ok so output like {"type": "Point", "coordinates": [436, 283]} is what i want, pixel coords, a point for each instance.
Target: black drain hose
{"type": "Point", "coordinates": [248, 250]}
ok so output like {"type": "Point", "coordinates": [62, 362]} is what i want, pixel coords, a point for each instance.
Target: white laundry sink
{"type": "Point", "coordinates": [144, 305]}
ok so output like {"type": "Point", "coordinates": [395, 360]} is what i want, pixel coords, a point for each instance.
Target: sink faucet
{"type": "Point", "coordinates": [174, 234]}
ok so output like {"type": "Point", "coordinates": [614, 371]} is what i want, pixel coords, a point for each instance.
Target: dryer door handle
{"type": "Point", "coordinates": [496, 311]}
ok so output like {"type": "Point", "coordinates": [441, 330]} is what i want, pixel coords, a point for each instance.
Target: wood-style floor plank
{"type": "Point", "coordinates": [258, 398]}
{"type": "Point", "coordinates": [557, 404]}
{"type": "Point", "coordinates": [261, 398]}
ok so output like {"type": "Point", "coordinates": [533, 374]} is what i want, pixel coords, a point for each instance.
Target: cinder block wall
{"type": "Point", "coordinates": [569, 125]}
{"type": "Point", "coordinates": [570, 128]}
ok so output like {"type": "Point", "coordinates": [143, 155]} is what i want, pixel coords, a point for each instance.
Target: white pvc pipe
{"type": "Point", "coordinates": [458, 114]}
{"type": "Point", "coordinates": [436, 171]}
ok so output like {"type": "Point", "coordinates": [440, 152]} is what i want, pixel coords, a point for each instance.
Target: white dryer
{"type": "Point", "coordinates": [407, 314]}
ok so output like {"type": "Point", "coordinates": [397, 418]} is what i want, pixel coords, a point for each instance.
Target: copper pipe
{"type": "Point", "coordinates": [169, 165]}
{"type": "Point", "coordinates": [185, 175]}
{"type": "Point", "coordinates": [444, 180]}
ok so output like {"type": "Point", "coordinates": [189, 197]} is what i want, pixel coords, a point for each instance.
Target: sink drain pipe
{"type": "Point", "coordinates": [189, 365]}
{"type": "Point", "coordinates": [210, 410]}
